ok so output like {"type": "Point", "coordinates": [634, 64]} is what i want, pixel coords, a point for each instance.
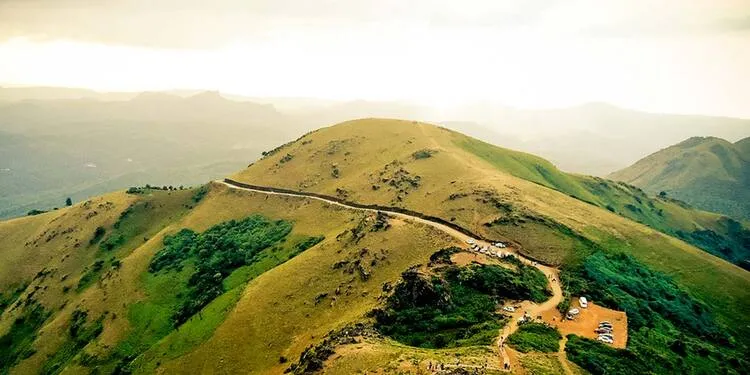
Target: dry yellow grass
{"type": "Point", "coordinates": [361, 149]}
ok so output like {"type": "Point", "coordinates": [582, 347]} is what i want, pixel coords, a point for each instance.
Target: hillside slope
{"type": "Point", "coordinates": [54, 149]}
{"type": "Point", "coordinates": [418, 165]}
{"type": "Point", "coordinates": [221, 280]}
{"type": "Point", "coordinates": [709, 173]}
{"type": "Point", "coordinates": [555, 217]}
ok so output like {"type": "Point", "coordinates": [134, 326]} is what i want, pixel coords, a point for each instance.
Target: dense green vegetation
{"type": "Point", "coordinates": [536, 337]}
{"type": "Point", "coordinates": [456, 306]}
{"type": "Point", "coordinates": [602, 359]}
{"type": "Point", "coordinates": [17, 343]}
{"type": "Point", "coordinates": [216, 252]}
{"type": "Point", "coordinates": [668, 330]}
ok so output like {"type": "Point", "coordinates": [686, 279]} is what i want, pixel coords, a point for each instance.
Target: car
{"type": "Point", "coordinates": [607, 335]}
{"type": "Point", "coordinates": [583, 302]}
{"type": "Point", "coordinates": [470, 241]}
{"type": "Point", "coordinates": [509, 308]}
{"type": "Point", "coordinates": [605, 340]}
{"type": "Point", "coordinates": [607, 326]}
{"type": "Point", "coordinates": [574, 311]}
{"type": "Point", "coordinates": [605, 322]}
{"type": "Point", "coordinates": [603, 330]}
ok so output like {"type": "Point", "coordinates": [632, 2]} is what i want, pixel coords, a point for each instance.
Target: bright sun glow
{"type": "Point", "coordinates": [567, 55]}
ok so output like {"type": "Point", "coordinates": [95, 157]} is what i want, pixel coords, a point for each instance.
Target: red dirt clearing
{"type": "Point", "coordinates": [588, 320]}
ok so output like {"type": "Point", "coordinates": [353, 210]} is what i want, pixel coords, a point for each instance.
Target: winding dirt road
{"type": "Point", "coordinates": [530, 308]}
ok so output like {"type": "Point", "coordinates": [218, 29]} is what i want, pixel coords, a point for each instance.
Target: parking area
{"type": "Point", "coordinates": [587, 321]}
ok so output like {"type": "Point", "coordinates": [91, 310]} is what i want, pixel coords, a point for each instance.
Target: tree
{"type": "Point", "coordinates": [68, 202]}
{"type": "Point", "coordinates": [663, 194]}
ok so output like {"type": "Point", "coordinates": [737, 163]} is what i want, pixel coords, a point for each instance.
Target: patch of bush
{"type": "Point", "coordinates": [98, 234]}
{"type": "Point", "coordinates": [536, 337]}
{"type": "Point", "coordinates": [308, 243]}
{"type": "Point", "coordinates": [16, 343]}
{"type": "Point", "coordinates": [35, 212]}
{"type": "Point", "coordinates": [602, 359]}
{"type": "Point", "coordinates": [443, 256]}
{"type": "Point", "coordinates": [12, 294]}
{"type": "Point", "coordinates": [423, 154]}
{"type": "Point", "coordinates": [524, 283]}
{"type": "Point", "coordinates": [458, 306]}
{"type": "Point", "coordinates": [286, 158]}
{"type": "Point", "coordinates": [216, 252]}
{"type": "Point", "coordinates": [91, 275]}
{"type": "Point", "coordinates": [112, 242]}
{"type": "Point", "coordinates": [200, 194]}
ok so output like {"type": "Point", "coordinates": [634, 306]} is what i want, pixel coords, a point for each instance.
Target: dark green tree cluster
{"type": "Point", "coordinates": [457, 307]}
{"type": "Point", "coordinates": [215, 253]}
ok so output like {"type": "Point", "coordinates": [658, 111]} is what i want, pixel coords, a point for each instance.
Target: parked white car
{"type": "Point", "coordinates": [605, 340]}
{"type": "Point", "coordinates": [583, 302]}
{"type": "Point", "coordinates": [509, 308]}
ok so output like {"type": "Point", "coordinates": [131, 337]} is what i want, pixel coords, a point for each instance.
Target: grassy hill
{"type": "Point", "coordinates": [478, 185]}
{"type": "Point", "coordinates": [215, 280]}
{"type": "Point", "coordinates": [708, 173]}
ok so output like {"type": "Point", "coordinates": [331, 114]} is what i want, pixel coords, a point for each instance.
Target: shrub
{"type": "Point", "coordinates": [200, 193]}
{"type": "Point", "coordinates": [98, 234]}
{"type": "Point", "coordinates": [535, 337]}
{"type": "Point", "coordinates": [423, 154]}
{"type": "Point", "coordinates": [458, 306]}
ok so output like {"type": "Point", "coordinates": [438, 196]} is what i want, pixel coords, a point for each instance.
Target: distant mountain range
{"type": "Point", "coordinates": [53, 149]}
{"type": "Point", "coordinates": [79, 143]}
{"type": "Point", "coordinates": [707, 172]}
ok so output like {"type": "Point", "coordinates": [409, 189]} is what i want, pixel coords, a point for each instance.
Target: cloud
{"type": "Point", "coordinates": [200, 24]}
{"type": "Point", "coordinates": [734, 24]}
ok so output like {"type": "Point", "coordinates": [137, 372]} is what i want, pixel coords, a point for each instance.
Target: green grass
{"type": "Point", "coordinates": [526, 166]}
{"type": "Point", "coordinates": [535, 337]}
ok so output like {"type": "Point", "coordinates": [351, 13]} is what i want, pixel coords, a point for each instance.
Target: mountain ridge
{"type": "Point", "coordinates": [708, 172]}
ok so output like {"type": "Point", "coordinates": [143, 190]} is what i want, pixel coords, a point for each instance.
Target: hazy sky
{"type": "Point", "coordinates": [685, 56]}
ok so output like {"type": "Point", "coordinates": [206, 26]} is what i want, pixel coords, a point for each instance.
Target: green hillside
{"type": "Point", "coordinates": [708, 173]}
{"type": "Point", "coordinates": [222, 280]}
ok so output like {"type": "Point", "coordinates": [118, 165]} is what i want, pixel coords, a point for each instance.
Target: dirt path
{"type": "Point", "coordinates": [533, 309]}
